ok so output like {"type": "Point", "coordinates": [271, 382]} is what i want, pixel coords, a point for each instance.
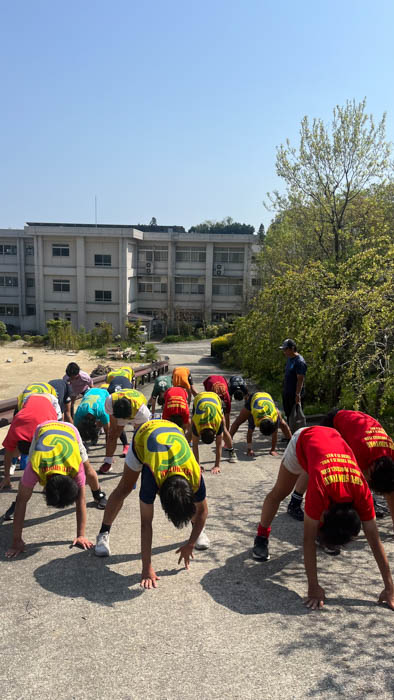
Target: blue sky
{"type": "Point", "coordinates": [173, 109]}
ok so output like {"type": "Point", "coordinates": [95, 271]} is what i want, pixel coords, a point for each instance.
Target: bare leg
{"type": "Point", "coordinates": [284, 485]}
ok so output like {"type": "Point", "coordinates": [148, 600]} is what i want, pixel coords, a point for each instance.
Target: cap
{"type": "Point", "coordinates": [288, 344]}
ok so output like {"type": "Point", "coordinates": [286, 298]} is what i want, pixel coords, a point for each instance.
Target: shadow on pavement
{"type": "Point", "coordinates": [246, 587]}
{"type": "Point", "coordinates": [83, 575]}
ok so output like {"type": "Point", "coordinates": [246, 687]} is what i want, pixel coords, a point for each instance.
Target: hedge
{"type": "Point", "coordinates": [221, 345]}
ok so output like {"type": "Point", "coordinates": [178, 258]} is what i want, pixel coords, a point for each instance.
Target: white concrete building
{"type": "Point", "coordinates": [88, 274]}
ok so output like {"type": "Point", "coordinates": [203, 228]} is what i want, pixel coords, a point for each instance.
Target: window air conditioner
{"type": "Point", "coordinates": [218, 270]}
{"type": "Point", "coordinates": [149, 268]}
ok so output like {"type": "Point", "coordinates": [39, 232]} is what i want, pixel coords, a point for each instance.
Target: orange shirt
{"type": "Point", "coordinates": [180, 377]}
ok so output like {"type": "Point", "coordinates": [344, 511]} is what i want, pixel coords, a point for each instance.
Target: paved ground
{"type": "Point", "coordinates": [76, 626]}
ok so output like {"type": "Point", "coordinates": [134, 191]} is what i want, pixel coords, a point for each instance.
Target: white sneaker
{"type": "Point", "coordinates": [232, 456]}
{"type": "Point", "coordinates": [102, 545]}
{"type": "Point", "coordinates": [12, 469]}
{"type": "Point", "coordinates": [203, 541]}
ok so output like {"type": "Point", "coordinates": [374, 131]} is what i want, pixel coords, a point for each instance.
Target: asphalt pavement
{"type": "Point", "coordinates": [75, 626]}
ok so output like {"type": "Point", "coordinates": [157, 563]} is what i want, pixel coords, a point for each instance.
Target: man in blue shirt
{"type": "Point", "coordinates": [293, 393]}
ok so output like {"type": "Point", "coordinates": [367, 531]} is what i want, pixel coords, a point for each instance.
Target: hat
{"type": "Point", "coordinates": [288, 344]}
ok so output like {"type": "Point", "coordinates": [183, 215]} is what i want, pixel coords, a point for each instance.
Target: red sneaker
{"type": "Point", "coordinates": [125, 450]}
{"type": "Point", "coordinates": [105, 468]}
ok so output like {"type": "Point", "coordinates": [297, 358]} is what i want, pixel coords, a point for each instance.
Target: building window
{"type": "Point", "coordinates": [153, 284]}
{"type": "Point", "coordinates": [29, 249]}
{"type": "Point", "coordinates": [101, 295]}
{"type": "Point", "coordinates": [228, 288]}
{"type": "Point", "coordinates": [7, 249]}
{"type": "Point", "coordinates": [188, 285]}
{"type": "Point", "coordinates": [61, 285]}
{"type": "Point", "coordinates": [228, 255]}
{"type": "Point", "coordinates": [55, 315]}
{"type": "Point", "coordinates": [7, 281]}
{"type": "Point", "coordinates": [67, 316]}
{"type": "Point", "coordinates": [150, 255]}
{"type": "Point", "coordinates": [190, 255]}
{"type": "Point", "coordinates": [60, 250]}
{"type": "Point", "coordinates": [218, 316]}
{"type": "Point", "coordinates": [255, 282]}
{"type": "Point", "coordinates": [30, 282]}
{"type": "Point", "coordinates": [30, 309]}
{"type": "Point", "coordinates": [9, 310]}
{"type": "Point", "coordinates": [102, 260]}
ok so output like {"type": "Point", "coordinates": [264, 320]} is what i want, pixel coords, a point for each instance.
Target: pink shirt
{"type": "Point", "coordinates": [79, 384]}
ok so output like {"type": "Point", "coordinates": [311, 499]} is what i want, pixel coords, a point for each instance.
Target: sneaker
{"type": "Point", "coordinates": [102, 545]}
{"type": "Point", "coordinates": [295, 511]}
{"type": "Point", "coordinates": [202, 541]}
{"type": "Point", "coordinates": [101, 501]}
{"type": "Point", "coordinates": [9, 514]}
{"type": "Point", "coordinates": [105, 468]}
{"type": "Point", "coordinates": [332, 551]}
{"type": "Point", "coordinates": [12, 469]}
{"type": "Point", "coordinates": [125, 450]}
{"type": "Point", "coordinates": [232, 456]}
{"type": "Point", "coordinates": [260, 549]}
{"type": "Point", "coordinates": [381, 511]}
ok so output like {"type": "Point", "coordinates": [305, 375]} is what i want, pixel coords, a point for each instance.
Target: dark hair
{"type": "Point", "coordinates": [328, 420]}
{"type": "Point", "coordinates": [267, 426]}
{"type": "Point", "coordinates": [88, 428]}
{"type": "Point", "coordinates": [72, 369]}
{"type": "Point", "coordinates": [160, 400]}
{"type": "Point", "coordinates": [60, 491]}
{"type": "Point", "coordinates": [340, 523]}
{"type": "Point", "coordinates": [177, 419]}
{"type": "Point", "coordinates": [238, 395]}
{"type": "Point", "coordinates": [24, 447]}
{"type": "Point", "coordinates": [177, 500]}
{"type": "Point", "coordinates": [208, 435]}
{"type": "Point", "coordinates": [122, 408]}
{"type": "Point", "coordinates": [382, 475]}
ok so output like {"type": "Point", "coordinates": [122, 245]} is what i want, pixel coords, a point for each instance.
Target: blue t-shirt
{"type": "Point", "coordinates": [294, 365]}
{"type": "Point", "coordinates": [149, 487]}
{"type": "Point", "coordinates": [93, 402]}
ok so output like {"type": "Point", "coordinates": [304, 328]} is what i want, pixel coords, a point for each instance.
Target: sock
{"type": "Point", "coordinates": [108, 460]}
{"type": "Point", "coordinates": [105, 528]}
{"type": "Point", "coordinates": [263, 531]}
{"type": "Point", "coordinates": [96, 494]}
{"type": "Point", "coordinates": [296, 498]}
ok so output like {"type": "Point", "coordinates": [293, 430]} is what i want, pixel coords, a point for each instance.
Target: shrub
{"type": "Point", "coordinates": [5, 338]}
{"type": "Point", "coordinates": [150, 352]}
{"type": "Point", "coordinates": [177, 338]}
{"type": "Point", "coordinates": [221, 345]}
{"type": "Point", "coordinates": [27, 338]}
{"type": "Point", "coordinates": [38, 339]}
{"type": "Point", "coordinates": [16, 337]}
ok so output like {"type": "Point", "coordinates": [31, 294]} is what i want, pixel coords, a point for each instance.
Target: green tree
{"type": "Point", "coordinates": [330, 170]}
{"type": "Point", "coordinates": [227, 225]}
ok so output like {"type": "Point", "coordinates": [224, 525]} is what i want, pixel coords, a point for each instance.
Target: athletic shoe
{"type": "Point", "coordinates": [202, 541]}
{"type": "Point", "coordinates": [260, 549]}
{"type": "Point", "coordinates": [12, 469]}
{"type": "Point", "coordinates": [9, 514]}
{"type": "Point", "coordinates": [105, 468]}
{"type": "Point", "coordinates": [332, 551]}
{"type": "Point", "coordinates": [295, 511]}
{"type": "Point", "coordinates": [101, 501]}
{"type": "Point", "coordinates": [381, 511]}
{"type": "Point", "coordinates": [232, 456]}
{"type": "Point", "coordinates": [125, 450]}
{"type": "Point", "coordinates": [102, 545]}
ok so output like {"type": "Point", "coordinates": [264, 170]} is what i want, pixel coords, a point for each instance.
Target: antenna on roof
{"type": "Point", "coordinates": [95, 209]}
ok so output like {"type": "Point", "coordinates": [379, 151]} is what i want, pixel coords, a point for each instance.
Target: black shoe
{"type": "Point", "coordinates": [381, 511]}
{"type": "Point", "coordinates": [101, 501]}
{"type": "Point", "coordinates": [260, 549]}
{"type": "Point", "coordinates": [295, 510]}
{"type": "Point", "coordinates": [9, 514]}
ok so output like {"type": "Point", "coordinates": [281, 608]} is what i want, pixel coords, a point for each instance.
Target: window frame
{"type": "Point", "coordinates": [61, 247]}
{"type": "Point", "coordinates": [103, 292]}
{"type": "Point", "coordinates": [103, 264]}
{"type": "Point", "coordinates": [61, 282]}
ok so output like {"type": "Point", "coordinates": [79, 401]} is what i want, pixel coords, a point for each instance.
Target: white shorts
{"type": "Point", "coordinates": [290, 460]}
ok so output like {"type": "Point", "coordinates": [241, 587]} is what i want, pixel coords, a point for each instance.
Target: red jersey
{"type": "Point", "coordinates": [365, 436]}
{"type": "Point", "coordinates": [175, 403]}
{"type": "Point", "coordinates": [37, 409]}
{"type": "Point", "coordinates": [218, 384]}
{"type": "Point", "coordinates": [334, 476]}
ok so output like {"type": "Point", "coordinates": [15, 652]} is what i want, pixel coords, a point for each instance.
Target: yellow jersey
{"type": "Point", "coordinates": [38, 388]}
{"type": "Point", "coordinates": [208, 411]}
{"type": "Point", "coordinates": [263, 408]}
{"type": "Point", "coordinates": [163, 447]}
{"type": "Point", "coordinates": [56, 451]}
{"type": "Point", "coordinates": [136, 398]}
